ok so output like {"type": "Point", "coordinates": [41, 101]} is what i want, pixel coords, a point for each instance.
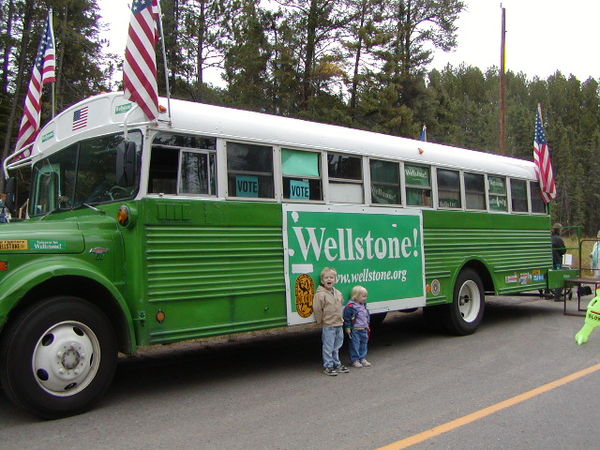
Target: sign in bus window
{"type": "Point", "coordinates": [448, 188]}
{"type": "Point", "coordinates": [250, 170]}
{"type": "Point", "coordinates": [497, 193]}
{"type": "Point", "coordinates": [299, 190]}
{"type": "Point", "coordinates": [246, 186]}
{"type": "Point", "coordinates": [475, 191]}
{"type": "Point", "coordinates": [518, 193]}
{"type": "Point", "coordinates": [301, 175]}
{"type": "Point", "coordinates": [385, 182]}
{"type": "Point", "coordinates": [418, 185]}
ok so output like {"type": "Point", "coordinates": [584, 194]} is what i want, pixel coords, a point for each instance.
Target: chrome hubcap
{"type": "Point", "coordinates": [469, 301]}
{"type": "Point", "coordinates": [66, 358]}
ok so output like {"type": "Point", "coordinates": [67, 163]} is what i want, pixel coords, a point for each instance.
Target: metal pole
{"type": "Point", "coordinates": [164, 52]}
{"type": "Point", "coordinates": [52, 92]}
{"type": "Point", "coordinates": [502, 134]}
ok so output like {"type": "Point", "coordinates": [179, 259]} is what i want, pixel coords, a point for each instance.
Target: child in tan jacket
{"type": "Point", "coordinates": [328, 310]}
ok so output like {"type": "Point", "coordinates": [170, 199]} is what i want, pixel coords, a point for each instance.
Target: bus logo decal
{"type": "Point", "coordinates": [121, 109]}
{"type": "Point", "coordinates": [305, 291]}
{"type": "Point", "coordinates": [48, 136]}
{"type": "Point", "coordinates": [48, 245]}
{"type": "Point", "coordinates": [436, 287]}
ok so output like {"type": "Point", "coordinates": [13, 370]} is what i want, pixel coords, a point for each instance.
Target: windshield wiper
{"type": "Point", "coordinates": [94, 208]}
{"type": "Point", "coordinates": [53, 210]}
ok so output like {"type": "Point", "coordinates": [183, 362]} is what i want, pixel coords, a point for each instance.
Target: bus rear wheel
{"type": "Point", "coordinates": [58, 357]}
{"type": "Point", "coordinates": [464, 314]}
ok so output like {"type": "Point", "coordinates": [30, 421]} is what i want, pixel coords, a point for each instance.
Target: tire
{"type": "Point", "coordinates": [464, 314]}
{"type": "Point", "coordinates": [58, 357]}
{"type": "Point", "coordinates": [377, 319]}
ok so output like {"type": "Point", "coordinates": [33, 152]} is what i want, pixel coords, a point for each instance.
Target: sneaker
{"type": "Point", "coordinates": [330, 371]}
{"type": "Point", "coordinates": [356, 364]}
{"type": "Point", "coordinates": [342, 369]}
{"type": "Point", "coordinates": [365, 363]}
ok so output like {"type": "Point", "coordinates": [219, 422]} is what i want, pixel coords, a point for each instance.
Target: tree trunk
{"type": "Point", "coordinates": [357, 61]}
{"type": "Point", "coordinates": [310, 52]}
{"type": "Point", "coordinates": [7, 49]}
{"type": "Point", "coordinates": [27, 25]}
{"type": "Point", "coordinates": [201, 33]}
{"type": "Point", "coordinates": [60, 52]}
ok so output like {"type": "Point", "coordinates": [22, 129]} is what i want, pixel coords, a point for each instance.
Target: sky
{"type": "Point", "coordinates": [542, 36]}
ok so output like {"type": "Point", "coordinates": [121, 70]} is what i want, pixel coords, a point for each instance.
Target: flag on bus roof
{"type": "Point", "coordinates": [423, 136]}
{"type": "Point", "coordinates": [80, 118]}
{"type": "Point", "coordinates": [43, 72]}
{"type": "Point", "coordinates": [543, 162]}
{"type": "Point", "coordinates": [139, 69]}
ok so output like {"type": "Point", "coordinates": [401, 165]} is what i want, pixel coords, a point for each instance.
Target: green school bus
{"type": "Point", "coordinates": [213, 221]}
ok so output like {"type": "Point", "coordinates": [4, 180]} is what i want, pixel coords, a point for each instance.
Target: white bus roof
{"type": "Point", "coordinates": [105, 113]}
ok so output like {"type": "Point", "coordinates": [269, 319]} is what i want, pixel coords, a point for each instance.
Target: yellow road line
{"type": "Point", "coordinates": [456, 423]}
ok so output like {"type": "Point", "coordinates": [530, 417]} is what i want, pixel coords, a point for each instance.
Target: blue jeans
{"type": "Point", "coordinates": [333, 338]}
{"type": "Point", "coordinates": [358, 345]}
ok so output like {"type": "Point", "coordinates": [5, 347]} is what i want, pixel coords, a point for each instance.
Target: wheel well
{"type": "Point", "coordinates": [484, 274]}
{"type": "Point", "coordinates": [87, 289]}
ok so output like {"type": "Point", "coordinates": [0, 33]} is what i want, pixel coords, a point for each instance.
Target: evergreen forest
{"type": "Point", "coordinates": [356, 63]}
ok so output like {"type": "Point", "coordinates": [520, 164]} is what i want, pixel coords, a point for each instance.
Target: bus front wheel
{"type": "Point", "coordinates": [464, 314]}
{"type": "Point", "coordinates": [58, 357]}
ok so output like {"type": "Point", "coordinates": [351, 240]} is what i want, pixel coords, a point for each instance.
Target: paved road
{"type": "Point", "coordinates": [268, 391]}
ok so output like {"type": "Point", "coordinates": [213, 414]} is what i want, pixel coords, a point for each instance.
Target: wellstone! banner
{"type": "Point", "coordinates": [378, 248]}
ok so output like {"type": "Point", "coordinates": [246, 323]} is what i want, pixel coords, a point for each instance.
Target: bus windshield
{"type": "Point", "coordinates": [98, 170]}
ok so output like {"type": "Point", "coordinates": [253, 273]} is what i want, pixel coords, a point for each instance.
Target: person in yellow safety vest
{"type": "Point", "coordinates": [592, 320]}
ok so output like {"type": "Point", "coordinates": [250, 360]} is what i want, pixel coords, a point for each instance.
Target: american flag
{"type": "Point", "coordinates": [43, 72]}
{"type": "Point", "coordinates": [80, 118]}
{"type": "Point", "coordinates": [543, 163]}
{"type": "Point", "coordinates": [139, 69]}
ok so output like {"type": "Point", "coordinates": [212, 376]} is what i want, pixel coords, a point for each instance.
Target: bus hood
{"type": "Point", "coordinates": [41, 237]}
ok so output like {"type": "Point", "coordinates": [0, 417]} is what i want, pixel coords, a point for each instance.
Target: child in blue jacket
{"type": "Point", "coordinates": [356, 324]}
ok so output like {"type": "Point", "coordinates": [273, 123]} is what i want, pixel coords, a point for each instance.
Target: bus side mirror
{"type": "Point", "coordinates": [10, 189]}
{"type": "Point", "coordinates": [126, 163]}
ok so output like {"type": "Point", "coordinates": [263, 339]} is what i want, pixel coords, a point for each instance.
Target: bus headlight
{"type": "Point", "coordinates": [126, 216]}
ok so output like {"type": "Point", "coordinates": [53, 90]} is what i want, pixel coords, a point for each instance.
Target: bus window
{"type": "Point", "coordinates": [448, 184]}
{"type": "Point", "coordinates": [185, 141]}
{"type": "Point", "coordinates": [475, 191]}
{"type": "Point", "coordinates": [301, 175]}
{"type": "Point", "coordinates": [86, 172]}
{"type": "Point", "coordinates": [418, 185]}
{"type": "Point", "coordinates": [497, 193]}
{"type": "Point", "coordinates": [537, 202]}
{"type": "Point", "coordinates": [250, 170]}
{"type": "Point", "coordinates": [518, 193]}
{"type": "Point", "coordinates": [345, 178]}
{"type": "Point", "coordinates": [163, 170]}
{"type": "Point", "coordinates": [197, 173]}
{"type": "Point", "coordinates": [385, 182]}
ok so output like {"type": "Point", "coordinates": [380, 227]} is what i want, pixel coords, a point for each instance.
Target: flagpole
{"type": "Point", "coordinates": [164, 53]}
{"type": "Point", "coordinates": [52, 92]}
{"type": "Point", "coordinates": [502, 134]}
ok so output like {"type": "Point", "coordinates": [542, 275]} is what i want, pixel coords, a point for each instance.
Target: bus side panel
{"type": "Point", "coordinates": [212, 268]}
{"type": "Point", "coordinates": [515, 249]}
